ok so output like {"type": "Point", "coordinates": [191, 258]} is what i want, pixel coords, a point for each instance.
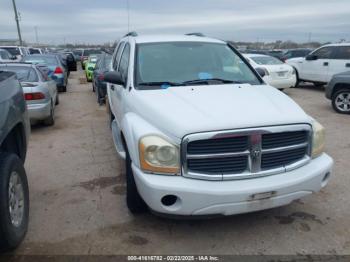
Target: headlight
{"type": "Point", "coordinates": [158, 155]}
{"type": "Point", "coordinates": [318, 139]}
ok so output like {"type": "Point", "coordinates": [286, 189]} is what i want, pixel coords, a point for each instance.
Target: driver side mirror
{"type": "Point", "coordinates": [260, 71]}
{"type": "Point", "coordinates": [114, 77]}
{"type": "Point", "coordinates": [311, 57]}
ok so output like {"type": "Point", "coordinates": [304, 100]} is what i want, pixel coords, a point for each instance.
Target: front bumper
{"type": "Point", "coordinates": [201, 197]}
{"type": "Point", "coordinates": [39, 111]}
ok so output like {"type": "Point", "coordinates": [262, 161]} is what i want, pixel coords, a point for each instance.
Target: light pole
{"type": "Point", "coordinates": [17, 22]}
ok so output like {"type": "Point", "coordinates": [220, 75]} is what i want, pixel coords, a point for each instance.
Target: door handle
{"type": "Point", "coordinates": [347, 65]}
{"type": "Point", "coordinates": [112, 87]}
{"type": "Point", "coordinates": [325, 63]}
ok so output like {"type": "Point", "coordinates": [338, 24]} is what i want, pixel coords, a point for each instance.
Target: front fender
{"type": "Point", "coordinates": [134, 128]}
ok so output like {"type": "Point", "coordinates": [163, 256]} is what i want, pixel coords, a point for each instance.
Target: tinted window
{"type": "Point", "coordinates": [117, 56]}
{"type": "Point", "coordinates": [12, 50]}
{"type": "Point", "coordinates": [4, 54]}
{"type": "Point", "coordinates": [24, 74]}
{"type": "Point", "coordinates": [48, 60]}
{"type": "Point", "coordinates": [185, 61]}
{"type": "Point", "coordinates": [266, 60]}
{"type": "Point", "coordinates": [324, 52]}
{"type": "Point", "coordinates": [34, 51]}
{"type": "Point", "coordinates": [343, 52]}
{"type": "Point", "coordinates": [124, 62]}
{"type": "Point", "coordinates": [91, 52]}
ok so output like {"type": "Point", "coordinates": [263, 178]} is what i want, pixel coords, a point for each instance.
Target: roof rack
{"type": "Point", "coordinates": [196, 34]}
{"type": "Point", "coordinates": [133, 33]}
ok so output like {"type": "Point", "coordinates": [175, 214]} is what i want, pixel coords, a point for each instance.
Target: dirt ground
{"type": "Point", "coordinates": [77, 194]}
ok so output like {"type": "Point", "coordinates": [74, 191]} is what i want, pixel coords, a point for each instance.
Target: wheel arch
{"type": "Point", "coordinates": [15, 141]}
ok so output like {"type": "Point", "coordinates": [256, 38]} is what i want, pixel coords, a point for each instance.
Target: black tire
{"type": "Point", "coordinates": [63, 89]}
{"type": "Point", "coordinates": [134, 201]}
{"type": "Point", "coordinates": [93, 87]}
{"type": "Point", "coordinates": [57, 99]}
{"type": "Point", "coordinates": [12, 235]}
{"type": "Point", "coordinates": [298, 80]}
{"type": "Point", "coordinates": [50, 121]}
{"type": "Point", "coordinates": [281, 89]}
{"type": "Point", "coordinates": [334, 100]}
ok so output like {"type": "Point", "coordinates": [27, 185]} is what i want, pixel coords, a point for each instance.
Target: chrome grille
{"type": "Point", "coordinates": [245, 153]}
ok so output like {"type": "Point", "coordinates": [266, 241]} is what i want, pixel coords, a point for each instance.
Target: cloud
{"type": "Point", "coordinates": [98, 22]}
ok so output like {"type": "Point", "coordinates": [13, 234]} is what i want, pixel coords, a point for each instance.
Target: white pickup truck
{"type": "Point", "coordinates": [202, 134]}
{"type": "Point", "coordinates": [322, 64]}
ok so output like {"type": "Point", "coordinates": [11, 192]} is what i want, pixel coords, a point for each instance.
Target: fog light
{"type": "Point", "coordinates": [169, 200]}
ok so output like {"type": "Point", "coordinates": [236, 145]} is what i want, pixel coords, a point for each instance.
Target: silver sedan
{"type": "Point", "coordinates": [39, 90]}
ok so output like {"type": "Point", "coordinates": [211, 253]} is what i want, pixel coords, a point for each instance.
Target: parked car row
{"type": "Point", "coordinates": [18, 52]}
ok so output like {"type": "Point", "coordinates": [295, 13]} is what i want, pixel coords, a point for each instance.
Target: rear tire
{"type": "Point", "coordinates": [337, 103]}
{"type": "Point", "coordinates": [134, 201]}
{"type": "Point", "coordinates": [13, 228]}
{"type": "Point", "coordinates": [50, 121]}
{"type": "Point", "coordinates": [57, 100]}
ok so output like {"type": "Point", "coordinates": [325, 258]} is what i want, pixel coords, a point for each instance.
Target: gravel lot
{"type": "Point", "coordinates": [77, 195]}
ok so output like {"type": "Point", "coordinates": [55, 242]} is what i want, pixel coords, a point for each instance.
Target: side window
{"type": "Point", "coordinates": [324, 53]}
{"type": "Point", "coordinates": [117, 56]}
{"type": "Point", "coordinates": [43, 75]}
{"type": "Point", "coordinates": [343, 52]}
{"type": "Point", "coordinates": [124, 62]}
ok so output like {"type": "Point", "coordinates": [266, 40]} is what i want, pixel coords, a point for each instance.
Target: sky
{"type": "Point", "coordinates": [92, 21]}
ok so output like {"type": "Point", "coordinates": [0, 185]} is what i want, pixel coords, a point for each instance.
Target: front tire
{"type": "Point", "coordinates": [341, 101]}
{"type": "Point", "coordinates": [134, 201]}
{"type": "Point", "coordinates": [14, 201]}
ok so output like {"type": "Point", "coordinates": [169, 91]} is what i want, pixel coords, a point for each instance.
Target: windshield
{"type": "Point", "coordinates": [91, 52]}
{"type": "Point", "coordinates": [24, 74]}
{"type": "Point", "coordinates": [178, 62]}
{"type": "Point", "coordinates": [12, 50]}
{"type": "Point", "coordinates": [48, 60]}
{"type": "Point", "coordinates": [266, 60]}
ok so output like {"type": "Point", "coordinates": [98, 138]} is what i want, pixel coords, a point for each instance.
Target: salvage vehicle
{"type": "Point", "coordinates": [320, 65]}
{"type": "Point", "coordinates": [98, 84]}
{"type": "Point", "coordinates": [57, 70]}
{"type": "Point", "coordinates": [338, 90]}
{"type": "Point", "coordinates": [202, 134]}
{"type": "Point", "coordinates": [277, 73]}
{"type": "Point", "coordinates": [14, 135]}
{"type": "Point", "coordinates": [40, 91]}
{"type": "Point", "coordinates": [90, 66]}
{"type": "Point", "coordinates": [85, 55]}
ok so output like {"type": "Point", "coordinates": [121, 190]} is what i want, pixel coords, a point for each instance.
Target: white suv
{"type": "Point", "coordinates": [202, 134]}
{"type": "Point", "coordinates": [320, 65]}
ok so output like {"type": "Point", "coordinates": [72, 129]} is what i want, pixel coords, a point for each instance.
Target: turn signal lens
{"type": "Point", "coordinates": [318, 140]}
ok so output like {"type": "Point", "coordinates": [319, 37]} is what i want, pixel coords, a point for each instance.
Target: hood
{"type": "Point", "coordinates": [179, 111]}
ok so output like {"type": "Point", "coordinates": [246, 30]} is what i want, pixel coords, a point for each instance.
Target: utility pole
{"type": "Point", "coordinates": [36, 35]}
{"type": "Point", "coordinates": [17, 22]}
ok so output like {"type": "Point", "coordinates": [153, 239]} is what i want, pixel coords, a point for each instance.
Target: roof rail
{"type": "Point", "coordinates": [196, 34]}
{"type": "Point", "coordinates": [133, 33]}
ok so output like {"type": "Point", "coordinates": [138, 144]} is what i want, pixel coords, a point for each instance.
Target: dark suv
{"type": "Point", "coordinates": [14, 133]}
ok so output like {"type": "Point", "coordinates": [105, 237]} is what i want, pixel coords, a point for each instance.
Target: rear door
{"type": "Point", "coordinates": [317, 70]}
{"type": "Point", "coordinates": [340, 61]}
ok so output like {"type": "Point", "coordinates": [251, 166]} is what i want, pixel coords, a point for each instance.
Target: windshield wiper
{"type": "Point", "coordinates": [159, 84]}
{"type": "Point", "coordinates": [208, 81]}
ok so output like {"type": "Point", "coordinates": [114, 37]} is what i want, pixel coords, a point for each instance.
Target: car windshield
{"type": "Point", "coordinates": [24, 73]}
{"type": "Point", "coordinates": [107, 61]}
{"type": "Point", "coordinates": [77, 52]}
{"type": "Point", "coordinates": [266, 60]}
{"type": "Point", "coordinates": [192, 62]}
{"type": "Point", "coordinates": [12, 50]}
{"type": "Point", "coordinates": [48, 60]}
{"type": "Point", "coordinates": [92, 59]}
{"type": "Point", "coordinates": [91, 52]}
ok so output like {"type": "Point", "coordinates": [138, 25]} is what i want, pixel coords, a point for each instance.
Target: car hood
{"type": "Point", "coordinates": [178, 111]}
{"type": "Point", "coordinates": [295, 60]}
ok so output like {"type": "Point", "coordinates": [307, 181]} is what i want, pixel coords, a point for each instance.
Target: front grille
{"type": "Point", "coordinates": [218, 145]}
{"type": "Point", "coordinates": [223, 165]}
{"type": "Point", "coordinates": [280, 159]}
{"type": "Point", "coordinates": [274, 140]}
{"type": "Point", "coordinates": [245, 152]}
